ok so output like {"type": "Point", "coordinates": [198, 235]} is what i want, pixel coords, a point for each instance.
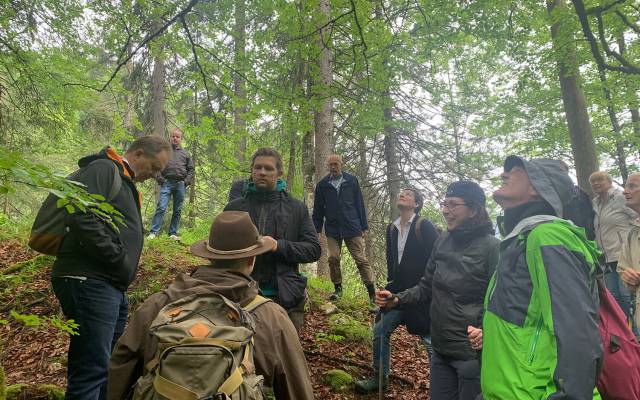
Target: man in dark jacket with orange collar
{"type": "Point", "coordinates": [96, 263]}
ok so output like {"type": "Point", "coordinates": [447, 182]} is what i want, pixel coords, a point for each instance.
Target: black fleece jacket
{"type": "Point", "coordinates": [92, 248]}
{"type": "Point", "coordinates": [411, 268]}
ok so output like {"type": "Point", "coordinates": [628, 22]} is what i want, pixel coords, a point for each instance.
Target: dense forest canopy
{"type": "Point", "coordinates": [408, 92]}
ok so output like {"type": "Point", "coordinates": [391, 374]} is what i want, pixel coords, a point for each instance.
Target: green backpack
{"type": "Point", "coordinates": [204, 351]}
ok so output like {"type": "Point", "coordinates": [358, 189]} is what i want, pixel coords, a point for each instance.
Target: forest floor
{"type": "Point", "coordinates": [36, 354]}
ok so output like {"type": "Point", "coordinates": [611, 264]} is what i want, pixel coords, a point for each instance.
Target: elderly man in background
{"type": "Point", "coordinates": [339, 206]}
{"type": "Point", "coordinates": [612, 224]}
{"type": "Point", "coordinates": [629, 260]}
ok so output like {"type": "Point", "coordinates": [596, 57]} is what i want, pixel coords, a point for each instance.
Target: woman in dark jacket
{"type": "Point", "coordinates": [455, 280]}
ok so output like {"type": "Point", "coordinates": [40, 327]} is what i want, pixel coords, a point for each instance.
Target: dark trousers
{"type": "Point", "coordinates": [454, 379]}
{"type": "Point", "coordinates": [101, 311]}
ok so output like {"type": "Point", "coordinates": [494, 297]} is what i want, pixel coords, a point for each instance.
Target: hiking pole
{"type": "Point", "coordinates": [380, 372]}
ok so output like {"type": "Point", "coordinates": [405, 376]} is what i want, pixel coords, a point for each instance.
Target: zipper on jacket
{"type": "Point", "coordinates": [536, 336]}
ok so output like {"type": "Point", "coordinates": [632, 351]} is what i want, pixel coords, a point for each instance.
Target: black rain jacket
{"type": "Point", "coordinates": [287, 220]}
{"type": "Point", "coordinates": [92, 248]}
{"type": "Point", "coordinates": [456, 281]}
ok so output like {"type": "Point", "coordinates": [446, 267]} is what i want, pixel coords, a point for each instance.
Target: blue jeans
{"type": "Point", "coordinates": [382, 330]}
{"type": "Point", "coordinates": [168, 189]}
{"type": "Point", "coordinates": [101, 311]}
{"type": "Point", "coordinates": [613, 282]}
{"type": "Point", "coordinates": [454, 379]}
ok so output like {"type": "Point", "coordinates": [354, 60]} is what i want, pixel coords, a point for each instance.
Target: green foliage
{"type": "Point", "coordinates": [339, 380]}
{"type": "Point", "coordinates": [16, 171]}
{"type": "Point", "coordinates": [35, 321]}
{"type": "Point", "coordinates": [323, 337]}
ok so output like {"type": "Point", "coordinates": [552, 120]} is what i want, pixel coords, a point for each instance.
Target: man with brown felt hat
{"type": "Point", "coordinates": [232, 247]}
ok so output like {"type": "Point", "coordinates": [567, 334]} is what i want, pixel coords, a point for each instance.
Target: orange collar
{"type": "Point", "coordinates": [113, 155]}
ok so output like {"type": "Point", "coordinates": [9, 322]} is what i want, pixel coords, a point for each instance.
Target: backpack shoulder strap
{"type": "Point", "coordinates": [419, 229]}
{"type": "Point", "coordinates": [255, 303]}
{"type": "Point", "coordinates": [116, 185]}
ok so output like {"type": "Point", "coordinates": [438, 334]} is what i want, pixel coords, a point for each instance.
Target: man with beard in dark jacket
{"type": "Point", "coordinates": [173, 181]}
{"type": "Point", "coordinates": [409, 240]}
{"type": "Point", "coordinates": [285, 219]}
{"type": "Point", "coordinates": [232, 248]}
{"type": "Point", "coordinates": [96, 263]}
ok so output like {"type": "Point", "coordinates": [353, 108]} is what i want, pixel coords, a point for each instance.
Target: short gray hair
{"type": "Point", "coordinates": [151, 145]}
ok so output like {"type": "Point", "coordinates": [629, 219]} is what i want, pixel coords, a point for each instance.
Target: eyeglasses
{"type": "Point", "coordinates": [450, 205]}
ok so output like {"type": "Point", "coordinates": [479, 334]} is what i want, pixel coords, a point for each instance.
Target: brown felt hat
{"type": "Point", "coordinates": [232, 236]}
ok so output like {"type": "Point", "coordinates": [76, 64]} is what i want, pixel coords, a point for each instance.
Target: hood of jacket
{"type": "Point", "coordinates": [233, 285]}
{"type": "Point", "coordinates": [548, 177]}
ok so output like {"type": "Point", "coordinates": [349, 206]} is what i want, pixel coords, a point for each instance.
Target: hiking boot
{"type": "Point", "coordinates": [152, 236]}
{"type": "Point", "coordinates": [174, 237]}
{"type": "Point", "coordinates": [370, 385]}
{"type": "Point", "coordinates": [335, 295]}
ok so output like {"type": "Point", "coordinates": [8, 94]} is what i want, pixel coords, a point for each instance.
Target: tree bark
{"type": "Point", "coordinates": [194, 156]}
{"type": "Point", "coordinates": [240, 90]}
{"type": "Point", "coordinates": [621, 157]}
{"type": "Point", "coordinates": [323, 117]}
{"type": "Point", "coordinates": [391, 159]}
{"type": "Point", "coordinates": [158, 96]}
{"type": "Point", "coordinates": [582, 143]}
{"type": "Point", "coordinates": [363, 172]}
{"type": "Point", "coordinates": [291, 171]}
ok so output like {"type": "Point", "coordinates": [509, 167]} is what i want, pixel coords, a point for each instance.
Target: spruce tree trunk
{"type": "Point", "coordinates": [194, 156]}
{"type": "Point", "coordinates": [158, 96]}
{"type": "Point", "coordinates": [291, 167]}
{"type": "Point", "coordinates": [240, 90]}
{"type": "Point", "coordinates": [323, 116]}
{"type": "Point", "coordinates": [582, 143]}
{"type": "Point", "coordinates": [391, 159]}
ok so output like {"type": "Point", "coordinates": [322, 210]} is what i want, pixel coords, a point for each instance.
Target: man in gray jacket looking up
{"type": "Point", "coordinates": [612, 224]}
{"type": "Point", "coordinates": [173, 181]}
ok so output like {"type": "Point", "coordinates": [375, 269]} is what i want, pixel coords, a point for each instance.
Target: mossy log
{"type": "Point", "coordinates": [34, 392]}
